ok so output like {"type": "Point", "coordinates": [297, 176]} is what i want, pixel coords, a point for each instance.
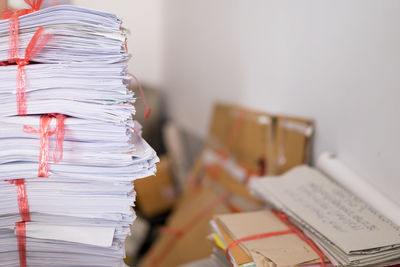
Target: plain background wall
{"type": "Point", "coordinates": [145, 40]}
{"type": "Point", "coordinates": [335, 61]}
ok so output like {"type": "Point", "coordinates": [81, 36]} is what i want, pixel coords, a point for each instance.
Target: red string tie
{"type": "Point", "coordinates": [147, 110]}
{"type": "Point", "coordinates": [20, 230]}
{"type": "Point", "coordinates": [171, 231]}
{"type": "Point", "coordinates": [38, 41]}
{"type": "Point", "coordinates": [22, 197]}
{"type": "Point", "coordinates": [25, 217]}
{"type": "Point", "coordinates": [292, 230]}
{"type": "Point", "coordinates": [45, 132]}
{"type": "Point", "coordinates": [9, 12]}
{"type": "Point", "coordinates": [13, 15]}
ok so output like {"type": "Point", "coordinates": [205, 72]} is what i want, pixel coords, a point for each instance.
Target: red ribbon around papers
{"type": "Point", "coordinates": [25, 216]}
{"type": "Point", "coordinates": [45, 132]}
{"type": "Point", "coordinates": [283, 217]}
{"type": "Point", "coordinates": [20, 230]}
{"type": "Point", "coordinates": [38, 41]}
{"type": "Point", "coordinates": [13, 15]}
{"type": "Point", "coordinates": [22, 199]}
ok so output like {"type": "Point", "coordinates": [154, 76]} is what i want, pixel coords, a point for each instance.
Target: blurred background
{"type": "Point", "coordinates": [336, 62]}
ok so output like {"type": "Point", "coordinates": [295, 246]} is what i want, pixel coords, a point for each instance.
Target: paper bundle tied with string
{"type": "Point", "coordinates": [70, 149]}
{"type": "Point", "coordinates": [262, 238]}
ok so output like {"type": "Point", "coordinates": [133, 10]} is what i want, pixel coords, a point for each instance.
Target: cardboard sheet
{"type": "Point", "coordinates": [285, 250]}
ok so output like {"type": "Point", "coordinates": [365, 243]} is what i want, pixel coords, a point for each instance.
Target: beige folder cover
{"type": "Point", "coordinates": [285, 250]}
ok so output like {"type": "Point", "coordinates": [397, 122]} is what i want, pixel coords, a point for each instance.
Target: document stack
{"type": "Point", "coordinates": [346, 228]}
{"type": "Point", "coordinates": [69, 149]}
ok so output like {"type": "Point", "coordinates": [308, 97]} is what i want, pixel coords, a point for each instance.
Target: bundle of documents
{"type": "Point", "coordinates": [77, 135]}
{"type": "Point", "coordinates": [91, 151]}
{"type": "Point", "coordinates": [79, 35]}
{"type": "Point", "coordinates": [82, 90]}
{"type": "Point", "coordinates": [348, 230]}
{"type": "Point", "coordinates": [284, 250]}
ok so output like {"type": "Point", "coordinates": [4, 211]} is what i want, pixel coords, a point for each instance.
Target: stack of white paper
{"type": "Point", "coordinates": [80, 214]}
{"type": "Point", "coordinates": [348, 230]}
{"type": "Point", "coordinates": [79, 35]}
{"type": "Point", "coordinates": [83, 90]}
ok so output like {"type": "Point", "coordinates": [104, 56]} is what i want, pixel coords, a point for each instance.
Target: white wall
{"type": "Point", "coordinates": [335, 61]}
{"type": "Point", "coordinates": [145, 42]}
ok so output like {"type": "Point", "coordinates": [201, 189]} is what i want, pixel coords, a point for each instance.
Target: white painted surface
{"type": "Point", "coordinates": [335, 61]}
{"type": "Point", "coordinates": [145, 42]}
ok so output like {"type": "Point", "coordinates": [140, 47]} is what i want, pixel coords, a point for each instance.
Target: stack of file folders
{"type": "Point", "coordinates": [346, 228]}
{"type": "Point", "coordinates": [67, 165]}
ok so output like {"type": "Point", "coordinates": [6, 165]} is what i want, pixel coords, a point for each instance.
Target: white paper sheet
{"type": "Point", "coordinates": [342, 174]}
{"type": "Point", "coordinates": [96, 236]}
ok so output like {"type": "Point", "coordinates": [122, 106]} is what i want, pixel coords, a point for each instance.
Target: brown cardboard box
{"type": "Point", "coordinates": [158, 194]}
{"type": "Point", "coordinates": [263, 142]}
{"type": "Point", "coordinates": [192, 244]}
{"type": "Point", "coordinates": [244, 134]}
{"type": "Point", "coordinates": [292, 144]}
{"type": "Point", "coordinates": [253, 140]}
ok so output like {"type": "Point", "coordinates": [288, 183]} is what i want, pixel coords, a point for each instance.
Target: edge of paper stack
{"type": "Point", "coordinates": [77, 133]}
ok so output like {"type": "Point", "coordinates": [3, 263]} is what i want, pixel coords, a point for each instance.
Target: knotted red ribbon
{"type": "Point", "coordinates": [20, 230]}
{"type": "Point", "coordinates": [45, 132]}
{"type": "Point", "coordinates": [34, 4]}
{"type": "Point", "coordinates": [38, 41]}
{"type": "Point", "coordinates": [13, 15]}
{"type": "Point", "coordinates": [292, 230]}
